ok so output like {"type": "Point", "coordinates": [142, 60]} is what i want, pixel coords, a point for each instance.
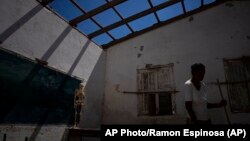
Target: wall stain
{"type": "Point", "coordinates": [148, 65]}
{"type": "Point", "coordinates": [141, 48]}
{"type": "Point", "coordinates": [191, 18]}
{"type": "Point", "coordinates": [229, 5]}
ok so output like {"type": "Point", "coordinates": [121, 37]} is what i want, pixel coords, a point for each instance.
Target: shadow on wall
{"type": "Point", "coordinates": [19, 23]}
{"type": "Point", "coordinates": [78, 58]}
{"type": "Point", "coordinates": [31, 93]}
{"type": "Point", "coordinates": [92, 112]}
{"type": "Point", "coordinates": [55, 45]}
{"type": "Point", "coordinates": [41, 96]}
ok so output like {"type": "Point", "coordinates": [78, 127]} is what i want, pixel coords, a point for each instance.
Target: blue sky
{"type": "Point", "coordinates": [126, 9]}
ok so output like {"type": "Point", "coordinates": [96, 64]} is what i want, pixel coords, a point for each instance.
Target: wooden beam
{"type": "Point", "coordinates": [45, 2]}
{"type": "Point", "coordinates": [130, 28]}
{"type": "Point", "coordinates": [106, 46]}
{"type": "Point", "coordinates": [95, 11]}
{"type": "Point", "coordinates": [153, 92]}
{"type": "Point", "coordinates": [228, 83]}
{"type": "Point", "coordinates": [222, 98]}
{"type": "Point", "coordinates": [134, 17]}
{"type": "Point", "coordinates": [202, 2]}
{"type": "Point", "coordinates": [84, 12]}
{"type": "Point", "coordinates": [151, 5]}
{"type": "Point", "coordinates": [41, 62]}
{"type": "Point", "coordinates": [78, 6]}
{"type": "Point", "coordinates": [183, 7]}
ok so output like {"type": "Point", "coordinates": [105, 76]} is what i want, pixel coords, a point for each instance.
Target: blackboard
{"type": "Point", "coordinates": [33, 94]}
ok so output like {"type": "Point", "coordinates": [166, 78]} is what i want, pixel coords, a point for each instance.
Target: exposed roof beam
{"type": "Point", "coordinates": [130, 28]}
{"type": "Point", "coordinates": [45, 2]}
{"type": "Point", "coordinates": [78, 6]}
{"type": "Point", "coordinates": [183, 7]}
{"type": "Point", "coordinates": [95, 11]}
{"type": "Point", "coordinates": [134, 17]}
{"type": "Point", "coordinates": [202, 2]}
{"type": "Point", "coordinates": [151, 5]}
{"type": "Point", "coordinates": [205, 7]}
{"type": "Point", "coordinates": [84, 12]}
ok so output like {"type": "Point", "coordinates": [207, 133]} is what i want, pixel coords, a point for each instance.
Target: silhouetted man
{"type": "Point", "coordinates": [196, 97]}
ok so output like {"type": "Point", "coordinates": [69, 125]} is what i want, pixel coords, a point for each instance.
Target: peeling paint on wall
{"type": "Point", "coordinates": [229, 4]}
{"type": "Point", "coordinates": [139, 55]}
{"type": "Point", "coordinates": [191, 18]}
{"type": "Point", "coordinates": [141, 48]}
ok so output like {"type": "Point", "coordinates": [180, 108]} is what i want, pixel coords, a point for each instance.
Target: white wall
{"type": "Point", "coordinates": [220, 32]}
{"type": "Point", "coordinates": [92, 113]}
{"type": "Point", "coordinates": [33, 31]}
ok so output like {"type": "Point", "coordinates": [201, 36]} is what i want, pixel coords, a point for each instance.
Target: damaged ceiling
{"type": "Point", "coordinates": [108, 22]}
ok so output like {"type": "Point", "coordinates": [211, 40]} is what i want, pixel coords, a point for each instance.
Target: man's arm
{"type": "Point", "coordinates": [190, 110]}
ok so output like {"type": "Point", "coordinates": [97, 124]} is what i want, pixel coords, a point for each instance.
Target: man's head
{"type": "Point", "coordinates": [198, 71]}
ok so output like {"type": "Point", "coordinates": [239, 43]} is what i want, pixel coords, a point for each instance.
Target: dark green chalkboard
{"type": "Point", "coordinates": [34, 94]}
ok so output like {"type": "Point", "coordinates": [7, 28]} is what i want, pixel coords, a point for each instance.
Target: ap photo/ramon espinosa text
{"type": "Point", "coordinates": [240, 133]}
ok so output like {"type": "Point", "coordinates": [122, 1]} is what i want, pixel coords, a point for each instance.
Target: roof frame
{"type": "Point", "coordinates": [133, 17]}
{"type": "Point", "coordinates": [84, 12]}
{"type": "Point", "coordinates": [125, 21]}
{"type": "Point", "coordinates": [157, 25]}
{"type": "Point", "coordinates": [93, 12]}
{"type": "Point", "coordinates": [45, 2]}
{"type": "Point", "coordinates": [151, 5]}
{"type": "Point", "coordinates": [129, 27]}
{"type": "Point", "coordinates": [183, 7]}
